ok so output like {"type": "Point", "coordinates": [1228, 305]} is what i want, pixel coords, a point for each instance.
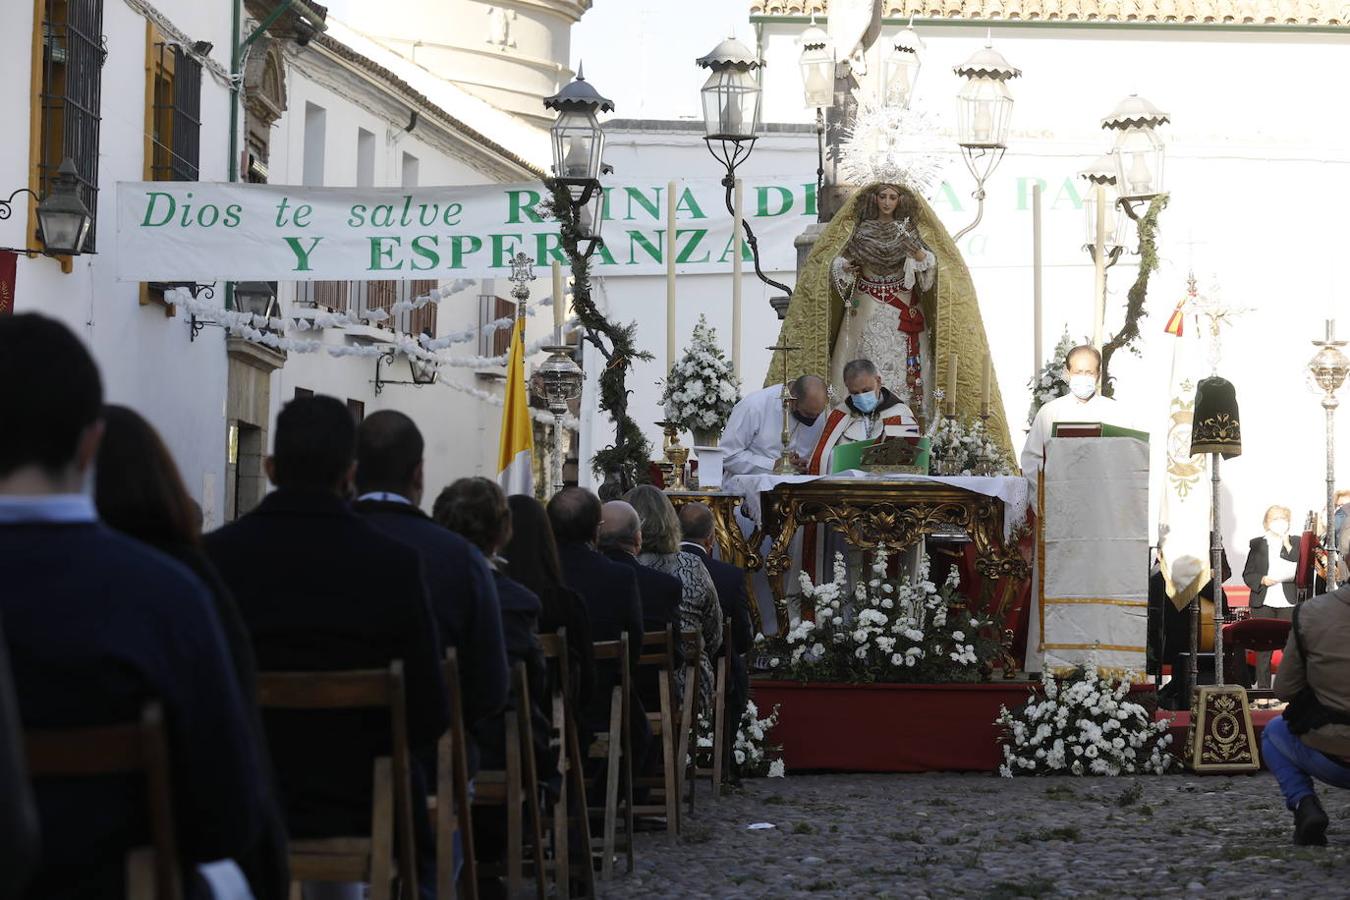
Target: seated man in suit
{"type": "Point", "coordinates": [610, 592]}
{"type": "Point", "coordinates": [620, 539]}
{"type": "Point", "coordinates": [697, 525]}
{"type": "Point", "coordinates": [96, 626]}
{"type": "Point", "coordinates": [321, 589]}
{"type": "Point", "coordinates": [463, 591]}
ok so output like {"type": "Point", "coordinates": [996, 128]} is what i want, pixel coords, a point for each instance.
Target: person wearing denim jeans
{"type": "Point", "coordinates": [1317, 656]}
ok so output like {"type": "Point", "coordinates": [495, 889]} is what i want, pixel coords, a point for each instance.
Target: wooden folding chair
{"type": "Point", "coordinates": [516, 789]}
{"type": "Point", "coordinates": [615, 746]}
{"type": "Point", "coordinates": [571, 773]}
{"type": "Point", "coordinates": [134, 748]}
{"type": "Point", "coordinates": [687, 723]}
{"type": "Point", "coordinates": [658, 653]}
{"type": "Point", "coordinates": [720, 725]}
{"type": "Point", "coordinates": [358, 858]}
{"type": "Point", "coordinates": [450, 809]}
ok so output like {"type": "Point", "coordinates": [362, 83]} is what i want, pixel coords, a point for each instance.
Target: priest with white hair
{"type": "Point", "coordinates": [869, 413]}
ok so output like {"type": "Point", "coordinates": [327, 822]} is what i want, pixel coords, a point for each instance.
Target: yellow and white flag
{"type": "Point", "coordinates": [515, 457]}
{"type": "Point", "coordinates": [1184, 512]}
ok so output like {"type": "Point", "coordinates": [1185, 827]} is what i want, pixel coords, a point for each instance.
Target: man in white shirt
{"type": "Point", "coordinates": [1083, 403]}
{"type": "Point", "coordinates": [753, 437]}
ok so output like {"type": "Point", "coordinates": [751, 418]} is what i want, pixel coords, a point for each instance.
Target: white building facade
{"type": "Point", "coordinates": [138, 92]}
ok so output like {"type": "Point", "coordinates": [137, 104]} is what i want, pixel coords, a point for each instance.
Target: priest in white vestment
{"type": "Point", "coordinates": [753, 436]}
{"type": "Point", "coordinates": [1083, 403]}
{"type": "Point", "coordinates": [868, 413]}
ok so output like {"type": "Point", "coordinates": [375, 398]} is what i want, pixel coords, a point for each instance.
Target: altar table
{"type": "Point", "coordinates": [896, 510]}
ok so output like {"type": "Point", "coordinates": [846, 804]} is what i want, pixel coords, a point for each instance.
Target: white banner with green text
{"type": "Point", "coordinates": [202, 231]}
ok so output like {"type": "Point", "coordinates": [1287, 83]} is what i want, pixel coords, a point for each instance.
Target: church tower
{"type": "Point", "coordinates": [510, 53]}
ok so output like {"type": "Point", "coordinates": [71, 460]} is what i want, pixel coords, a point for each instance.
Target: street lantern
{"type": "Point", "coordinates": [983, 114]}
{"type": "Point", "coordinates": [255, 298]}
{"type": "Point", "coordinates": [900, 67]}
{"type": "Point", "coordinates": [731, 98]}
{"type": "Point", "coordinates": [1102, 173]}
{"type": "Point", "coordinates": [984, 105]}
{"type": "Point", "coordinates": [1328, 369]}
{"type": "Point", "coordinates": [558, 381]}
{"type": "Point", "coordinates": [578, 149]}
{"type": "Point", "coordinates": [817, 62]}
{"type": "Point", "coordinates": [62, 216]}
{"type": "Point", "coordinates": [1139, 151]}
{"type": "Point", "coordinates": [423, 370]}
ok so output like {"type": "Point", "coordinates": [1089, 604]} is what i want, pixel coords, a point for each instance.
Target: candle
{"type": "Point", "coordinates": [1036, 327]}
{"type": "Point", "coordinates": [986, 380]}
{"type": "Point", "coordinates": [737, 236]}
{"type": "Point", "coordinates": [559, 303]}
{"type": "Point", "coordinates": [951, 385]}
{"type": "Point", "coordinates": [670, 275]}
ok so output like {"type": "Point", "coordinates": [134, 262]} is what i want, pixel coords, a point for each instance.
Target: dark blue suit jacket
{"type": "Point", "coordinates": [464, 601]}
{"type": "Point", "coordinates": [610, 591]}
{"type": "Point", "coordinates": [659, 592]}
{"type": "Point", "coordinates": [96, 625]}
{"type": "Point", "coordinates": [319, 588]}
{"type": "Point", "coordinates": [730, 583]}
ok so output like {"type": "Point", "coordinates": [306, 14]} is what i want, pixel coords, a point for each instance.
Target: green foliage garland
{"type": "Point", "coordinates": [1134, 303]}
{"type": "Point", "coordinates": [630, 454]}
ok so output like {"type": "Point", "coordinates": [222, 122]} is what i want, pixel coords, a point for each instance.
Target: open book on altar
{"type": "Point", "coordinates": [1095, 429]}
{"type": "Point", "coordinates": [907, 453]}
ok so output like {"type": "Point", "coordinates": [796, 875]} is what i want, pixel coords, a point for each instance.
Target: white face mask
{"type": "Point", "coordinates": [1082, 386]}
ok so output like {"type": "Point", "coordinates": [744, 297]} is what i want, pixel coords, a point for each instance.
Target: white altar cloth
{"type": "Point", "coordinates": [1092, 607]}
{"type": "Point", "coordinates": [1011, 489]}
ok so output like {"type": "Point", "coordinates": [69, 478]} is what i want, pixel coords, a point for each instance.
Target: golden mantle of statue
{"type": "Point", "coordinates": [950, 309]}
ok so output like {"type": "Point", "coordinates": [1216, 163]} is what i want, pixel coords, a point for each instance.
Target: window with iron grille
{"type": "Point", "coordinates": [175, 115]}
{"type": "Point", "coordinates": [70, 97]}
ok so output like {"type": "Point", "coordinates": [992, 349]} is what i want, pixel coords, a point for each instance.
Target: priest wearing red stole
{"type": "Point", "coordinates": [869, 413]}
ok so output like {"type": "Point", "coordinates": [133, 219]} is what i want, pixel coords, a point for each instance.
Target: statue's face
{"type": "Point", "coordinates": [887, 200]}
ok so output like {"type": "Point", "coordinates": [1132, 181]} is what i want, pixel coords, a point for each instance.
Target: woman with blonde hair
{"type": "Point", "coordinates": [699, 607]}
{"type": "Point", "coordinates": [1272, 560]}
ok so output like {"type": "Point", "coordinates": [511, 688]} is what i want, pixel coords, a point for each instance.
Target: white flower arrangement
{"type": "Point", "coordinates": [1083, 725]}
{"type": "Point", "coordinates": [702, 386]}
{"type": "Point", "coordinates": [885, 629]}
{"type": "Point", "coordinates": [1049, 384]}
{"type": "Point", "coordinates": [975, 453]}
{"type": "Point", "coordinates": [751, 754]}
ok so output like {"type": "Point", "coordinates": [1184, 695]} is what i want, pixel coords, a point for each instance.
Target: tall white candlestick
{"type": "Point", "coordinates": [986, 384]}
{"type": "Point", "coordinates": [1099, 270]}
{"type": "Point", "coordinates": [737, 238]}
{"type": "Point", "coordinates": [1036, 326]}
{"type": "Point", "coordinates": [559, 303]}
{"type": "Point", "coordinates": [670, 275]}
{"type": "Point", "coordinates": [951, 385]}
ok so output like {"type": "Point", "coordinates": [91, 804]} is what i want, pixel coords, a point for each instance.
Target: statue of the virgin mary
{"type": "Point", "coordinates": [886, 282]}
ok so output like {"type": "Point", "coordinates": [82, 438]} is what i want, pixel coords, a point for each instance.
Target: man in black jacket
{"type": "Point", "coordinates": [613, 603]}
{"type": "Point", "coordinates": [389, 485]}
{"type": "Point", "coordinates": [697, 525]}
{"type": "Point", "coordinates": [620, 540]}
{"type": "Point", "coordinates": [97, 625]}
{"type": "Point", "coordinates": [319, 588]}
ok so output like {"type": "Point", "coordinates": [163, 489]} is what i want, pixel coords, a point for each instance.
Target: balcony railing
{"type": "Point", "coordinates": [358, 297]}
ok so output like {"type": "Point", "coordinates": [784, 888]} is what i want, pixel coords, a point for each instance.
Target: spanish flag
{"type": "Point", "coordinates": [515, 472]}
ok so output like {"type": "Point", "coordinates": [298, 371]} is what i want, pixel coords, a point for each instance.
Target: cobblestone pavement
{"type": "Point", "coordinates": [917, 836]}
